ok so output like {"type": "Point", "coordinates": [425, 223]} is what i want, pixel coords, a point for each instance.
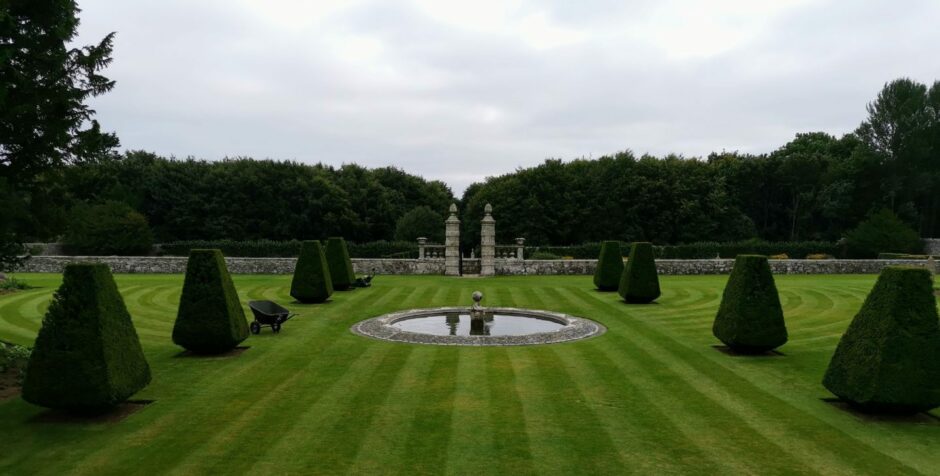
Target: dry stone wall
{"type": "Point", "coordinates": [153, 264]}
{"type": "Point", "coordinates": [932, 246]}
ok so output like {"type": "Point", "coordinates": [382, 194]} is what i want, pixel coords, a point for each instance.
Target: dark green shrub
{"type": "Point", "coordinates": [210, 318]}
{"type": "Point", "coordinates": [639, 283]}
{"type": "Point", "coordinates": [750, 319]}
{"type": "Point", "coordinates": [882, 232]}
{"type": "Point", "coordinates": [889, 357]}
{"type": "Point", "coordinates": [341, 269]}
{"type": "Point", "coordinates": [14, 358]}
{"type": "Point", "coordinates": [705, 250]}
{"type": "Point", "coordinates": [87, 356]}
{"type": "Point", "coordinates": [609, 267]}
{"type": "Point", "coordinates": [904, 256]}
{"type": "Point", "coordinates": [543, 255]}
{"type": "Point", "coordinates": [289, 249]}
{"type": "Point", "coordinates": [108, 228]}
{"type": "Point", "coordinates": [312, 282]}
{"type": "Point", "coordinates": [420, 222]}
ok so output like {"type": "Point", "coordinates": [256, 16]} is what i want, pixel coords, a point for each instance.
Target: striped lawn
{"type": "Point", "coordinates": [650, 396]}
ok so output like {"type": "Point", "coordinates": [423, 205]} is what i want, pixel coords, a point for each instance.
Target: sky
{"type": "Point", "coordinates": [458, 91]}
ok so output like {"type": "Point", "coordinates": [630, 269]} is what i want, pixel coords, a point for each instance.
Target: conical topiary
{"type": "Point", "coordinates": [210, 318]}
{"type": "Point", "coordinates": [750, 319]}
{"type": "Point", "coordinates": [341, 269]}
{"type": "Point", "coordinates": [609, 267]}
{"type": "Point", "coordinates": [312, 282]}
{"type": "Point", "coordinates": [639, 283]}
{"type": "Point", "coordinates": [889, 357]}
{"type": "Point", "coordinates": [87, 356]}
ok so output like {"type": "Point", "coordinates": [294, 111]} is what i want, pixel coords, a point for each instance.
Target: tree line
{"type": "Point", "coordinates": [59, 171]}
{"type": "Point", "coordinates": [815, 187]}
{"type": "Point", "coordinates": [244, 199]}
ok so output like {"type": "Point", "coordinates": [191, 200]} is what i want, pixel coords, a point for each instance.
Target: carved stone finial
{"type": "Point", "coordinates": [488, 209]}
{"type": "Point", "coordinates": [453, 208]}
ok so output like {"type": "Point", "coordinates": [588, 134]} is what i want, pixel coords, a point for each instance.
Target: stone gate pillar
{"type": "Point", "coordinates": [488, 243]}
{"type": "Point", "coordinates": [452, 243]}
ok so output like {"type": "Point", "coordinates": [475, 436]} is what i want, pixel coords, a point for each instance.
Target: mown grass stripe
{"type": "Point", "coordinates": [786, 426]}
{"type": "Point", "coordinates": [469, 449]}
{"type": "Point", "coordinates": [510, 440]}
{"type": "Point", "coordinates": [559, 409]}
{"type": "Point", "coordinates": [431, 424]}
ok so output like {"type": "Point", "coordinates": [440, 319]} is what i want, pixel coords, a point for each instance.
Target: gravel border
{"type": "Point", "coordinates": [381, 328]}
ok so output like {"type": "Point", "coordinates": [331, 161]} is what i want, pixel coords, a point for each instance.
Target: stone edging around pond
{"type": "Point", "coordinates": [575, 328]}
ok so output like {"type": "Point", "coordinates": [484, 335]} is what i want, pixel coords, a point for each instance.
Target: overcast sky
{"type": "Point", "coordinates": [460, 91]}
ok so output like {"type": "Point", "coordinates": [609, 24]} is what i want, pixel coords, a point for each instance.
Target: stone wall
{"type": "Point", "coordinates": [704, 266]}
{"type": "Point", "coordinates": [154, 264]}
{"type": "Point", "coordinates": [932, 246]}
{"type": "Point", "coordinates": [176, 264]}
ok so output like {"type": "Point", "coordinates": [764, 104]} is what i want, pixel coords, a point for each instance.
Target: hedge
{"type": "Point", "coordinates": [888, 360]}
{"type": "Point", "coordinates": [312, 282]}
{"type": "Point", "coordinates": [750, 318]}
{"type": "Point", "coordinates": [289, 249]}
{"type": "Point", "coordinates": [704, 250]}
{"type": "Point", "coordinates": [341, 270]}
{"type": "Point", "coordinates": [210, 319]}
{"type": "Point", "coordinates": [904, 256]}
{"type": "Point", "coordinates": [609, 267]}
{"type": "Point", "coordinates": [87, 356]}
{"type": "Point", "coordinates": [639, 283]}
{"type": "Point", "coordinates": [106, 229]}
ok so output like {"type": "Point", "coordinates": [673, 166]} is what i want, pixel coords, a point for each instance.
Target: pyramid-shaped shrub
{"type": "Point", "coordinates": [87, 356]}
{"type": "Point", "coordinates": [312, 281]}
{"type": "Point", "coordinates": [609, 267]}
{"type": "Point", "coordinates": [750, 319]}
{"type": "Point", "coordinates": [210, 318]}
{"type": "Point", "coordinates": [889, 357]}
{"type": "Point", "coordinates": [341, 269]}
{"type": "Point", "coordinates": [639, 283]}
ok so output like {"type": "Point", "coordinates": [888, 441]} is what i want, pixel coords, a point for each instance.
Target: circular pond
{"type": "Point", "coordinates": [465, 326]}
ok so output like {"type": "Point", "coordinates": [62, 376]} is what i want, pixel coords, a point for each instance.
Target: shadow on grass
{"type": "Point", "coordinates": [729, 351]}
{"type": "Point", "coordinates": [188, 354]}
{"type": "Point", "coordinates": [113, 415]}
{"type": "Point", "coordinates": [922, 418]}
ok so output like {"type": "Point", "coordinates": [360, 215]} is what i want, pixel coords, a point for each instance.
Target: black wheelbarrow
{"type": "Point", "coordinates": [269, 314]}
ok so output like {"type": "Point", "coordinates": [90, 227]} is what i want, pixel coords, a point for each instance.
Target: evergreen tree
{"type": "Point", "coordinates": [639, 283]}
{"type": "Point", "coordinates": [44, 86]}
{"type": "Point", "coordinates": [341, 269]}
{"type": "Point", "coordinates": [87, 356]}
{"type": "Point", "coordinates": [210, 318]}
{"type": "Point", "coordinates": [609, 267]}
{"type": "Point", "coordinates": [889, 357]}
{"type": "Point", "coordinates": [312, 282]}
{"type": "Point", "coordinates": [750, 318]}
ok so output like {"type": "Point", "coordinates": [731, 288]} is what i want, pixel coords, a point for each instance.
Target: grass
{"type": "Point", "coordinates": [650, 396]}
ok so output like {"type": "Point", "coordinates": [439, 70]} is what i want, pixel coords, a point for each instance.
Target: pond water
{"type": "Point", "coordinates": [460, 324]}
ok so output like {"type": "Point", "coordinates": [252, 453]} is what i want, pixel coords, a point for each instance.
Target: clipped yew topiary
{"type": "Point", "coordinates": [341, 269]}
{"type": "Point", "coordinates": [210, 318]}
{"type": "Point", "coordinates": [639, 283]}
{"type": "Point", "coordinates": [312, 281]}
{"type": "Point", "coordinates": [87, 357]}
{"type": "Point", "coordinates": [888, 360]}
{"type": "Point", "coordinates": [750, 319]}
{"type": "Point", "coordinates": [609, 267]}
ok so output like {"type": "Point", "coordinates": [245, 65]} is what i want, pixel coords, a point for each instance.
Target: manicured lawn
{"type": "Point", "coordinates": [651, 396]}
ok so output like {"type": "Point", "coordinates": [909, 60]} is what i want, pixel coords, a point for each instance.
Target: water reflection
{"type": "Point", "coordinates": [461, 324]}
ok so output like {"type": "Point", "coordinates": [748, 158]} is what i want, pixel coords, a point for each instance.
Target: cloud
{"type": "Point", "coordinates": [459, 91]}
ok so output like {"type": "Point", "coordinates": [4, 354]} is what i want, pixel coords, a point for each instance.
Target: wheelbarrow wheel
{"type": "Point", "coordinates": [276, 328]}
{"type": "Point", "coordinates": [256, 327]}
